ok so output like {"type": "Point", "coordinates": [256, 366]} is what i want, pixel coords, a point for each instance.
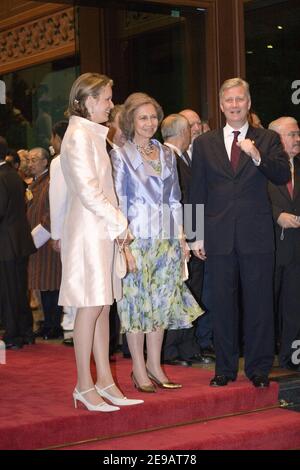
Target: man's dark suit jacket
{"type": "Point", "coordinates": [288, 249]}
{"type": "Point", "coordinates": [185, 177]}
{"type": "Point", "coordinates": [237, 207]}
{"type": "Point", "coordinates": [15, 236]}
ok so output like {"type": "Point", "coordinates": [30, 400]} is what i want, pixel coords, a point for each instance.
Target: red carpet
{"type": "Point", "coordinates": [37, 409]}
{"type": "Point", "coordinates": [267, 430]}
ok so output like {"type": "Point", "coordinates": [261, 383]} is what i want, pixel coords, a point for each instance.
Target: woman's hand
{"type": "Point", "coordinates": [186, 253]}
{"type": "Point", "coordinates": [131, 264]}
{"type": "Point", "coordinates": [56, 245]}
{"type": "Point", "coordinates": [127, 240]}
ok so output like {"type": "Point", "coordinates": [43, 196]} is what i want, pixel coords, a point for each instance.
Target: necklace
{"type": "Point", "coordinates": [145, 150]}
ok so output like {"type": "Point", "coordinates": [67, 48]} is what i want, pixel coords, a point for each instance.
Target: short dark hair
{"type": "Point", "coordinates": [60, 128]}
{"type": "Point", "coordinates": [15, 160]}
{"type": "Point", "coordinates": [3, 148]}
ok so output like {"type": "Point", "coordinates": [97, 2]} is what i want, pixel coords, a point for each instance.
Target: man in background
{"type": "Point", "coordinates": [58, 201]}
{"type": "Point", "coordinates": [286, 214]}
{"type": "Point", "coordinates": [180, 346]}
{"type": "Point", "coordinates": [16, 245]}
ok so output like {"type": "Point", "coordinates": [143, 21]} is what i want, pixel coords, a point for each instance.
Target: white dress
{"type": "Point", "coordinates": [92, 219]}
{"type": "Point", "coordinates": [57, 198]}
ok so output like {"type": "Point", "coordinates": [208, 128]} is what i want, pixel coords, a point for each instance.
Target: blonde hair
{"type": "Point", "coordinates": [132, 103]}
{"type": "Point", "coordinates": [233, 82]}
{"type": "Point", "coordinates": [87, 84]}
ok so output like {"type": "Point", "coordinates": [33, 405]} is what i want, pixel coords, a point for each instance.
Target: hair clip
{"type": "Point", "coordinates": [76, 101]}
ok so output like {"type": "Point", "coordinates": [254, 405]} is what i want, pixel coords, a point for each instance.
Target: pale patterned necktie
{"type": "Point", "coordinates": [235, 151]}
{"type": "Point", "coordinates": [187, 159]}
{"type": "Point", "coordinates": [289, 184]}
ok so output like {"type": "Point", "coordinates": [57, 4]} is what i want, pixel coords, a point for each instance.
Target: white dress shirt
{"type": "Point", "coordinates": [57, 198]}
{"type": "Point", "coordinates": [177, 151]}
{"type": "Point", "coordinates": [229, 136]}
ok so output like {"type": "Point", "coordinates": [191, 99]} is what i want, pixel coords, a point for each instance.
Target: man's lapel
{"type": "Point", "coordinates": [296, 176]}
{"type": "Point", "coordinates": [244, 158]}
{"type": "Point", "coordinates": [221, 153]}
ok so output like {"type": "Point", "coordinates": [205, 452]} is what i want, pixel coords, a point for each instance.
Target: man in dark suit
{"type": "Point", "coordinates": [286, 213]}
{"type": "Point", "coordinates": [15, 247]}
{"type": "Point", "coordinates": [199, 288]}
{"type": "Point", "coordinates": [180, 346]}
{"type": "Point", "coordinates": [115, 139]}
{"type": "Point", "coordinates": [230, 172]}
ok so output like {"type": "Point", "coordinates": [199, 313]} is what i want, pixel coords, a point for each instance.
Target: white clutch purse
{"type": "Point", "coordinates": [120, 261]}
{"type": "Point", "coordinates": [185, 270]}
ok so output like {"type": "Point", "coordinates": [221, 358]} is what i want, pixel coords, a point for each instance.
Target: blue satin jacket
{"type": "Point", "coordinates": [150, 201]}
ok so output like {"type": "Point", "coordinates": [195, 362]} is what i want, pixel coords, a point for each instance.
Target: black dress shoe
{"type": "Point", "coordinates": [68, 342]}
{"type": "Point", "coordinates": [54, 333]}
{"type": "Point", "coordinates": [13, 346]}
{"type": "Point", "coordinates": [200, 359]}
{"type": "Point", "coordinates": [220, 380]}
{"type": "Point", "coordinates": [260, 381]}
{"type": "Point", "coordinates": [29, 340]}
{"type": "Point", "coordinates": [41, 332]}
{"type": "Point", "coordinates": [208, 352]}
{"type": "Point", "coordinates": [176, 362]}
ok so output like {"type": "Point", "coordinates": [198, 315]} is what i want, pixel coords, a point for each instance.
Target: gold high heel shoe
{"type": "Point", "coordinates": [142, 388]}
{"type": "Point", "coordinates": [105, 407]}
{"type": "Point", "coordinates": [168, 385]}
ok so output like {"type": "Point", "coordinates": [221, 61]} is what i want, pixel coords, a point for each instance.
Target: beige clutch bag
{"type": "Point", "coordinates": [120, 262]}
{"type": "Point", "coordinates": [185, 270]}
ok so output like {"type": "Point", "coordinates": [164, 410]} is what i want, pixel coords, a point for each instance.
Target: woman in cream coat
{"type": "Point", "coordinates": [92, 223]}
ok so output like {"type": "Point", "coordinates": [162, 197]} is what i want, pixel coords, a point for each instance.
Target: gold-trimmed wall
{"type": "Point", "coordinates": [32, 33]}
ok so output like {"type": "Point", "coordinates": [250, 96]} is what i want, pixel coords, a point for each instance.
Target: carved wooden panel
{"type": "Point", "coordinates": [18, 6]}
{"type": "Point", "coordinates": [13, 12]}
{"type": "Point", "coordinates": [135, 22]}
{"type": "Point", "coordinates": [47, 38]}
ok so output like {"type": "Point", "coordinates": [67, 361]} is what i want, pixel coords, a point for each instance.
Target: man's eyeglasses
{"type": "Point", "coordinates": [293, 134]}
{"type": "Point", "coordinates": [33, 160]}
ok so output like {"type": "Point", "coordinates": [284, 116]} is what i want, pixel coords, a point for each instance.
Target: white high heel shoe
{"type": "Point", "coordinates": [78, 396]}
{"type": "Point", "coordinates": [117, 401]}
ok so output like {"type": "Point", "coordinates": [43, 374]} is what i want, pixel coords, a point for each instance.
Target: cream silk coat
{"type": "Point", "coordinates": [92, 219]}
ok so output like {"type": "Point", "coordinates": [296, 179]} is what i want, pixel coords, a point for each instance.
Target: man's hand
{"type": "Point", "coordinates": [286, 220]}
{"type": "Point", "coordinates": [200, 253]}
{"type": "Point", "coordinates": [248, 146]}
{"type": "Point", "coordinates": [56, 245]}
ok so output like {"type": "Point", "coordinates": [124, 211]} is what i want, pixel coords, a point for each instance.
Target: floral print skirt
{"type": "Point", "coordinates": [155, 297]}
